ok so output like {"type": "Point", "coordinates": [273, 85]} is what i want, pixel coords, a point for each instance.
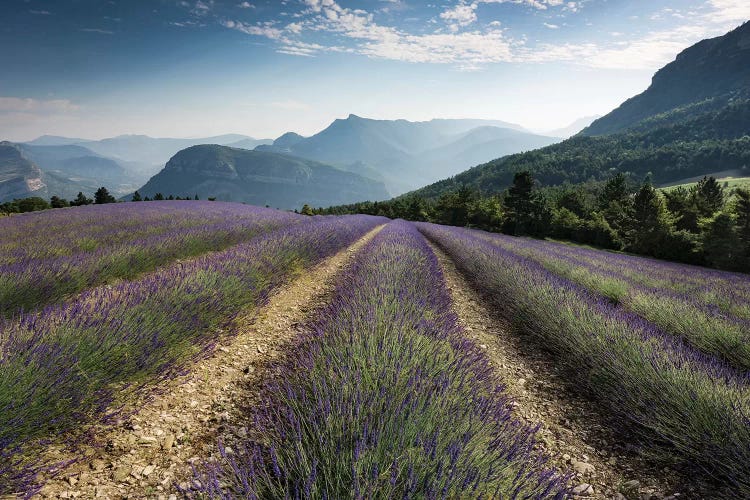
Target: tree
{"type": "Point", "coordinates": [721, 241]}
{"type": "Point", "coordinates": [80, 200]}
{"type": "Point", "coordinates": [57, 202]}
{"type": "Point", "coordinates": [518, 204]}
{"type": "Point", "coordinates": [158, 197]}
{"type": "Point", "coordinates": [709, 196]}
{"type": "Point", "coordinates": [649, 224]}
{"type": "Point", "coordinates": [681, 204]}
{"type": "Point", "coordinates": [615, 203]}
{"type": "Point", "coordinates": [196, 197]}
{"type": "Point", "coordinates": [306, 210]}
{"type": "Point", "coordinates": [137, 196]}
{"type": "Point", "coordinates": [102, 196]}
{"type": "Point", "coordinates": [32, 204]}
{"type": "Point", "coordinates": [742, 214]}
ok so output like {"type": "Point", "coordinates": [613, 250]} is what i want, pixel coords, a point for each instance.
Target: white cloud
{"type": "Point", "coordinates": [471, 49]}
{"type": "Point", "coordinates": [37, 106]}
{"type": "Point", "coordinates": [460, 16]}
{"type": "Point", "coordinates": [246, 5]}
{"type": "Point", "coordinates": [729, 10]}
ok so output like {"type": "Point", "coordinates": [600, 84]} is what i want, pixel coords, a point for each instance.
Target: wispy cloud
{"type": "Point", "coordinates": [40, 12]}
{"type": "Point", "coordinates": [98, 30]}
{"type": "Point", "coordinates": [29, 105]}
{"type": "Point", "coordinates": [468, 47]}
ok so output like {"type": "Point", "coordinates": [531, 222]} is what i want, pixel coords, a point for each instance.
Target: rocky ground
{"type": "Point", "coordinates": [579, 436]}
{"type": "Point", "coordinates": [148, 453]}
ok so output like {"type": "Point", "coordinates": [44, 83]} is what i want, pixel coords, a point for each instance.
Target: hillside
{"type": "Point", "coordinates": [668, 139]}
{"type": "Point", "coordinates": [19, 178]}
{"type": "Point", "coordinates": [405, 154]}
{"type": "Point", "coordinates": [258, 178]}
{"type": "Point", "coordinates": [709, 74]}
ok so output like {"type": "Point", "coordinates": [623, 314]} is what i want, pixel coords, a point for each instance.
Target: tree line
{"type": "Point", "coordinates": [705, 224]}
{"type": "Point", "coordinates": [101, 196]}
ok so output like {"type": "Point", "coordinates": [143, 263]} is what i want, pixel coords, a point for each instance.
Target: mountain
{"type": "Point", "coordinates": [141, 155]}
{"type": "Point", "coordinates": [573, 128]}
{"type": "Point", "coordinates": [259, 178]}
{"type": "Point", "coordinates": [75, 160]}
{"type": "Point", "coordinates": [694, 120]}
{"type": "Point", "coordinates": [407, 154]}
{"type": "Point", "coordinates": [703, 77]}
{"type": "Point", "coordinates": [20, 177]}
{"type": "Point", "coordinates": [155, 151]}
{"type": "Point", "coordinates": [55, 140]}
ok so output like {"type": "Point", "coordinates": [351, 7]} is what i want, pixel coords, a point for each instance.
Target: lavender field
{"type": "Point", "coordinates": [378, 390]}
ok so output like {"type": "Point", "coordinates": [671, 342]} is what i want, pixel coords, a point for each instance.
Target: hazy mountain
{"type": "Point", "coordinates": [155, 151]}
{"type": "Point", "coordinates": [248, 143]}
{"type": "Point", "coordinates": [703, 77]}
{"type": "Point", "coordinates": [259, 178]}
{"type": "Point", "coordinates": [694, 120]}
{"type": "Point", "coordinates": [408, 154]}
{"type": "Point", "coordinates": [573, 128]}
{"type": "Point", "coordinates": [75, 160]}
{"type": "Point", "coordinates": [141, 155]}
{"type": "Point", "coordinates": [21, 178]}
{"type": "Point", "coordinates": [55, 140]}
{"type": "Point", "coordinates": [480, 145]}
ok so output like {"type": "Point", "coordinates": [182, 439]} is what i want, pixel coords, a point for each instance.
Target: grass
{"type": "Point", "coordinates": [47, 257]}
{"type": "Point", "coordinates": [679, 402]}
{"type": "Point", "coordinates": [712, 316]}
{"type": "Point", "coordinates": [67, 365]}
{"type": "Point", "coordinates": [385, 398]}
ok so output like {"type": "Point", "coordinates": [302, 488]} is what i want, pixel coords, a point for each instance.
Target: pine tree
{"type": "Point", "coordinates": [137, 196]}
{"type": "Point", "coordinates": [57, 202]}
{"type": "Point", "coordinates": [518, 204]}
{"type": "Point", "coordinates": [709, 196]}
{"type": "Point", "coordinates": [649, 224]}
{"type": "Point", "coordinates": [80, 200]}
{"type": "Point", "coordinates": [102, 196]}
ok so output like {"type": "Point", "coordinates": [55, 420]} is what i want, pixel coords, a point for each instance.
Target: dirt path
{"type": "Point", "coordinates": [573, 430]}
{"type": "Point", "coordinates": [143, 455]}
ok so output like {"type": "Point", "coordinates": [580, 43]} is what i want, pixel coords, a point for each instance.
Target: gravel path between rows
{"type": "Point", "coordinates": [144, 455]}
{"type": "Point", "coordinates": [578, 435]}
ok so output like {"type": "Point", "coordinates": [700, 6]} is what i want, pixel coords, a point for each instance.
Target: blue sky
{"type": "Point", "coordinates": [200, 67]}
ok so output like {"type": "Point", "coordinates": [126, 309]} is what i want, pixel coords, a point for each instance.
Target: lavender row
{"type": "Point", "coordinates": [384, 397]}
{"type": "Point", "coordinates": [67, 364]}
{"type": "Point", "coordinates": [686, 403]}
{"type": "Point", "coordinates": [707, 327]}
{"type": "Point", "coordinates": [47, 256]}
{"type": "Point", "coordinates": [726, 292]}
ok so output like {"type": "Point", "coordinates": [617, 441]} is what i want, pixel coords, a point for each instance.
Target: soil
{"type": "Point", "coordinates": [579, 436]}
{"type": "Point", "coordinates": [148, 453]}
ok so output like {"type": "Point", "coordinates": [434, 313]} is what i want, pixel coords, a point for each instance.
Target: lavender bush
{"type": "Point", "coordinates": [707, 308]}
{"type": "Point", "coordinates": [66, 364]}
{"type": "Point", "coordinates": [677, 399]}
{"type": "Point", "coordinates": [46, 256]}
{"type": "Point", "coordinates": [384, 397]}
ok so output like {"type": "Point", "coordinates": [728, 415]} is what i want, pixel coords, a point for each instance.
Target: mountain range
{"type": "Point", "coordinates": [65, 166]}
{"type": "Point", "coordinates": [259, 178]}
{"type": "Point", "coordinates": [405, 155]}
{"type": "Point", "coordinates": [693, 120]}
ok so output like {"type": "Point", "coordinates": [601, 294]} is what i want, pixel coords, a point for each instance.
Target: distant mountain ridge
{"type": "Point", "coordinates": [20, 177]}
{"type": "Point", "coordinates": [408, 154]}
{"type": "Point", "coordinates": [258, 178]}
{"type": "Point", "coordinates": [705, 76]}
{"type": "Point", "coordinates": [693, 120]}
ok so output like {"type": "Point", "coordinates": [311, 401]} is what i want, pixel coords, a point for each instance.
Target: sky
{"type": "Point", "coordinates": [196, 68]}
